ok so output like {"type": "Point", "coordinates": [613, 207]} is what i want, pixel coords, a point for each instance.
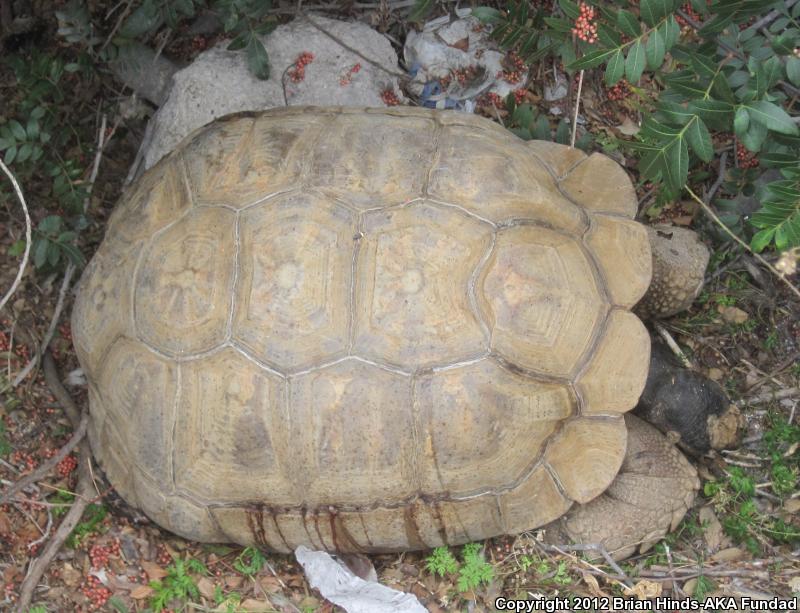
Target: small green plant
{"type": "Point", "coordinates": [475, 571]}
{"type": "Point", "coordinates": [230, 602]}
{"type": "Point", "coordinates": [562, 574]}
{"type": "Point", "coordinates": [93, 518]}
{"type": "Point", "coordinates": [441, 562]}
{"type": "Point", "coordinates": [249, 562]}
{"type": "Point", "coordinates": [37, 609]}
{"type": "Point", "coordinates": [5, 445]}
{"type": "Point", "coordinates": [178, 584]}
{"type": "Point", "coordinates": [704, 587]}
{"type": "Point", "coordinates": [62, 499]}
{"type": "Point", "coordinates": [527, 123]}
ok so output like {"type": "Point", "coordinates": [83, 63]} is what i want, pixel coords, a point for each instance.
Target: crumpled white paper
{"type": "Point", "coordinates": [336, 583]}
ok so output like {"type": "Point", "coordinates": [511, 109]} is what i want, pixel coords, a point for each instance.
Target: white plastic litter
{"type": "Point", "coordinates": [443, 47]}
{"type": "Point", "coordinates": [336, 583]}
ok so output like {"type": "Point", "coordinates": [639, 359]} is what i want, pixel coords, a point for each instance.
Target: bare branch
{"type": "Point", "coordinates": [28, 236]}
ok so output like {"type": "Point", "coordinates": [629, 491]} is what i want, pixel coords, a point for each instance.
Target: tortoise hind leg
{"type": "Point", "coordinates": [655, 487]}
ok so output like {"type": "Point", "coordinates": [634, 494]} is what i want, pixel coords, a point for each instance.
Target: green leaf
{"type": "Point", "coordinates": [40, 252]}
{"type": "Point", "coordinates": [24, 152]}
{"type": "Point", "coordinates": [654, 10]}
{"type": "Point", "coordinates": [772, 116]}
{"type": "Point", "coordinates": [761, 239]}
{"type": "Point", "coordinates": [11, 153]}
{"type": "Point", "coordinates": [677, 163]}
{"type": "Point", "coordinates": [570, 8]}
{"type": "Point", "coordinates": [715, 113]}
{"type": "Point", "coordinates": [741, 121]}
{"type": "Point", "coordinates": [257, 59]}
{"type": "Point", "coordinates": [615, 68]}
{"type": "Point", "coordinates": [755, 136]}
{"type": "Point", "coordinates": [562, 132]}
{"type": "Point", "coordinates": [700, 140]}
{"type": "Point", "coordinates": [17, 130]}
{"type": "Point", "coordinates": [144, 19]}
{"type": "Point", "coordinates": [421, 9]}
{"type": "Point", "coordinates": [635, 62]}
{"type": "Point", "coordinates": [50, 225]}
{"type": "Point", "coordinates": [241, 41]}
{"type": "Point", "coordinates": [655, 50]}
{"type": "Point", "coordinates": [675, 113]}
{"type": "Point", "coordinates": [793, 70]}
{"type": "Point", "coordinates": [592, 59]}
{"type": "Point", "coordinates": [628, 23]}
{"type": "Point", "coordinates": [672, 32]}
{"type": "Point", "coordinates": [486, 14]}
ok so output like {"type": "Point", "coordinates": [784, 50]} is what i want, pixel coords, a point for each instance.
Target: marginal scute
{"type": "Point", "coordinates": [235, 449]}
{"type": "Point", "coordinates": [601, 185]}
{"type": "Point", "coordinates": [413, 307]}
{"type": "Point", "coordinates": [138, 389]}
{"type": "Point", "coordinates": [484, 425]}
{"type": "Point", "coordinates": [292, 299]}
{"type": "Point", "coordinates": [615, 377]}
{"type": "Point", "coordinates": [158, 198]}
{"type": "Point", "coordinates": [622, 250]}
{"type": "Point", "coordinates": [102, 309]}
{"type": "Point", "coordinates": [385, 162]}
{"type": "Point", "coordinates": [351, 431]}
{"type": "Point", "coordinates": [498, 179]}
{"type": "Point", "coordinates": [187, 271]}
{"type": "Point", "coordinates": [560, 158]}
{"type": "Point", "coordinates": [236, 163]}
{"type": "Point", "coordinates": [187, 519]}
{"type": "Point", "coordinates": [586, 455]}
{"type": "Point", "coordinates": [539, 295]}
{"type": "Point", "coordinates": [535, 502]}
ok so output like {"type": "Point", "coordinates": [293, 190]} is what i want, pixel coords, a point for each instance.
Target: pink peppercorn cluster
{"type": "Point", "coordinates": [298, 73]}
{"type": "Point", "coordinates": [96, 592]}
{"type": "Point", "coordinates": [746, 159]}
{"type": "Point", "coordinates": [348, 77]}
{"type": "Point", "coordinates": [519, 96]}
{"type": "Point", "coordinates": [620, 91]}
{"type": "Point", "coordinates": [585, 27]}
{"type": "Point", "coordinates": [389, 97]}
{"type": "Point", "coordinates": [66, 466]}
{"type": "Point", "coordinates": [514, 70]}
{"type": "Point", "coordinates": [22, 458]}
{"type": "Point", "coordinates": [691, 13]}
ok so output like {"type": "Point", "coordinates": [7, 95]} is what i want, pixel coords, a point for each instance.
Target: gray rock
{"type": "Point", "coordinates": [218, 82]}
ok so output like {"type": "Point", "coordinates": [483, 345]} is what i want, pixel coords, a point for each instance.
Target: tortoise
{"type": "Point", "coordinates": [376, 330]}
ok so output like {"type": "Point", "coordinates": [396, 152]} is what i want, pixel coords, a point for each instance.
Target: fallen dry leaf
{"type": "Point", "coordinates": [141, 592]}
{"type": "Point", "coordinates": [645, 590]}
{"type": "Point", "coordinates": [153, 570]}
{"type": "Point", "coordinates": [690, 586]}
{"type": "Point", "coordinates": [251, 604]}
{"type": "Point", "coordinates": [730, 554]}
{"type": "Point", "coordinates": [712, 531]}
{"type": "Point", "coordinates": [593, 585]}
{"type": "Point", "coordinates": [792, 505]}
{"type": "Point", "coordinates": [206, 587]}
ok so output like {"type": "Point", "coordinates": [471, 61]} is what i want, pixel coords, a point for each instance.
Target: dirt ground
{"type": "Point", "coordinates": [742, 538]}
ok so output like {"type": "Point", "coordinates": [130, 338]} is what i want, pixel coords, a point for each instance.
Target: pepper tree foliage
{"type": "Point", "coordinates": [729, 76]}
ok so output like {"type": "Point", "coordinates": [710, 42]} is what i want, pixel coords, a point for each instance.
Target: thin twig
{"type": "Point", "coordinates": [399, 75]}
{"type": "Point", "coordinates": [28, 236]}
{"type": "Point", "coordinates": [747, 248]}
{"type": "Point", "coordinates": [51, 330]}
{"type": "Point", "coordinates": [664, 333]}
{"type": "Point", "coordinates": [577, 107]}
{"type": "Point", "coordinates": [101, 138]}
{"type": "Point", "coordinates": [84, 491]}
{"type": "Point", "coordinates": [41, 472]}
{"type": "Point", "coordinates": [597, 548]}
{"type": "Point", "coordinates": [770, 396]}
{"type": "Point", "coordinates": [723, 158]}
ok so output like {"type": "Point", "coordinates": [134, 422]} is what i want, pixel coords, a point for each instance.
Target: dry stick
{"type": "Point", "coordinates": [51, 330]}
{"type": "Point", "coordinates": [747, 248]}
{"type": "Point", "coordinates": [84, 490]}
{"type": "Point", "coordinates": [685, 361]}
{"type": "Point", "coordinates": [770, 396]}
{"type": "Point", "coordinates": [577, 107]}
{"type": "Point", "coordinates": [41, 472]}
{"type": "Point", "coordinates": [598, 548]}
{"type": "Point", "coordinates": [28, 233]}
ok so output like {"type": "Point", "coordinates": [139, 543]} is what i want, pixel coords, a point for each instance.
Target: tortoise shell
{"type": "Point", "coordinates": [364, 329]}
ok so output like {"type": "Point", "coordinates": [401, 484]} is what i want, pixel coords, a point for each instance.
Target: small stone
{"type": "Point", "coordinates": [715, 374]}
{"type": "Point", "coordinates": [732, 314]}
